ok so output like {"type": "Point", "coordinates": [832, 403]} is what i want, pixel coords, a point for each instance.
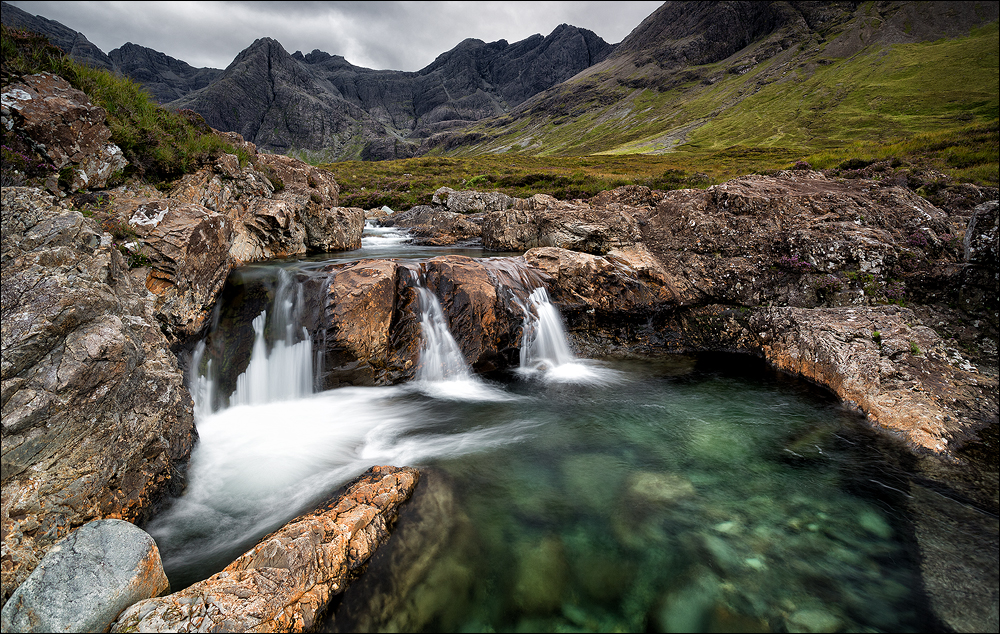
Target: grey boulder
{"type": "Point", "coordinates": [86, 580]}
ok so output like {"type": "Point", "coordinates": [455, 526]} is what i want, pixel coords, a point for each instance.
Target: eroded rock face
{"type": "Point", "coordinates": [96, 419]}
{"type": "Point", "coordinates": [187, 246]}
{"type": "Point", "coordinates": [87, 579]}
{"type": "Point", "coordinates": [285, 582]}
{"type": "Point", "coordinates": [66, 129]}
{"type": "Point", "coordinates": [543, 221]}
{"type": "Point", "coordinates": [883, 361]}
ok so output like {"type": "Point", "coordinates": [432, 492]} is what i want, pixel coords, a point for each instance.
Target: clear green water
{"type": "Point", "coordinates": [679, 494]}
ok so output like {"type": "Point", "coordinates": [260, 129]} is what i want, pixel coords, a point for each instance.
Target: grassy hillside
{"type": "Point", "coordinates": [935, 103]}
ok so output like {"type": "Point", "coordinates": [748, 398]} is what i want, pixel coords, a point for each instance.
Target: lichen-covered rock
{"type": "Point", "coordinates": [96, 418]}
{"type": "Point", "coordinates": [542, 221]}
{"type": "Point", "coordinates": [471, 201]}
{"type": "Point", "coordinates": [333, 228]}
{"type": "Point", "coordinates": [901, 374]}
{"type": "Point", "coordinates": [86, 579]}
{"type": "Point", "coordinates": [286, 581]}
{"type": "Point", "coordinates": [188, 250]}
{"type": "Point", "coordinates": [66, 129]}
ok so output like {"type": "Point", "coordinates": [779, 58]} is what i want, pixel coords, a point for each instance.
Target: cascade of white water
{"type": "Point", "coordinates": [544, 343]}
{"type": "Point", "coordinates": [286, 371]}
{"type": "Point", "coordinates": [440, 357]}
{"type": "Point", "coordinates": [202, 386]}
{"type": "Point", "coordinates": [281, 373]}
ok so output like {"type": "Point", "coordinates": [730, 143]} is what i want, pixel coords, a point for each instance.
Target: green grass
{"type": "Point", "coordinates": [159, 144]}
{"type": "Point", "coordinates": [934, 102]}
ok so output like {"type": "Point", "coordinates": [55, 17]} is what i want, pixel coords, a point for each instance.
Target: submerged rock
{"type": "Point", "coordinates": [86, 579]}
{"type": "Point", "coordinates": [285, 582]}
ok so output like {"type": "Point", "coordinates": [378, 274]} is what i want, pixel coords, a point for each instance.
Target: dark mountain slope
{"type": "Point", "coordinates": [277, 102]}
{"type": "Point", "coordinates": [163, 76]}
{"type": "Point", "coordinates": [72, 42]}
{"type": "Point", "coordinates": [761, 73]}
{"type": "Point", "coordinates": [337, 110]}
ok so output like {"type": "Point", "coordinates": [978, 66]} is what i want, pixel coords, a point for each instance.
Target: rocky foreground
{"type": "Point", "coordinates": [857, 285]}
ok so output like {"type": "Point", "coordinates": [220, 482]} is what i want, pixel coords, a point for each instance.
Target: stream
{"type": "Point", "coordinates": [672, 493]}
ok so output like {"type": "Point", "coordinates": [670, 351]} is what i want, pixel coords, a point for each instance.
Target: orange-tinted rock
{"type": "Point", "coordinates": [286, 581]}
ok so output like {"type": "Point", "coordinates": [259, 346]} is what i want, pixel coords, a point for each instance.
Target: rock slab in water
{"type": "Point", "coordinates": [85, 581]}
{"type": "Point", "coordinates": [285, 582]}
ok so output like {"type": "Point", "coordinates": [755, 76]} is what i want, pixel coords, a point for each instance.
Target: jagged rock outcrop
{"type": "Point", "coordinates": [285, 582]}
{"type": "Point", "coordinates": [97, 422]}
{"type": "Point", "coordinates": [59, 122]}
{"type": "Point", "coordinates": [189, 260]}
{"type": "Point", "coordinates": [166, 78]}
{"type": "Point", "coordinates": [371, 327]}
{"type": "Point", "coordinates": [224, 215]}
{"type": "Point", "coordinates": [87, 579]}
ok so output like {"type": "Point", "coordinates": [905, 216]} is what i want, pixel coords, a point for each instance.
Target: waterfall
{"type": "Point", "coordinates": [443, 371]}
{"type": "Point", "coordinates": [286, 371]}
{"type": "Point", "coordinates": [279, 372]}
{"type": "Point", "coordinates": [543, 344]}
{"type": "Point", "coordinates": [440, 357]}
{"type": "Point", "coordinates": [545, 348]}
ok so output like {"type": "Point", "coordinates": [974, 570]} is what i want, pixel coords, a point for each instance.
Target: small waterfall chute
{"type": "Point", "coordinates": [280, 372]}
{"type": "Point", "coordinates": [443, 371]}
{"type": "Point", "coordinates": [545, 350]}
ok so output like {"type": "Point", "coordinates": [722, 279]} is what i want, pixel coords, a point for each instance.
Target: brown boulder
{"type": "Point", "coordinates": [67, 129]}
{"type": "Point", "coordinates": [96, 418]}
{"type": "Point", "coordinates": [542, 221]}
{"type": "Point", "coordinates": [371, 332]}
{"type": "Point", "coordinates": [188, 250]}
{"type": "Point", "coordinates": [286, 581]}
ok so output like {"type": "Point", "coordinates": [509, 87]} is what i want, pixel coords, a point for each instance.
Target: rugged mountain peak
{"type": "Point", "coordinates": [165, 77]}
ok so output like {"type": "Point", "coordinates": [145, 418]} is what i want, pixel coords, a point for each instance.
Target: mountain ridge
{"type": "Point", "coordinates": [323, 106]}
{"type": "Point", "coordinates": [678, 73]}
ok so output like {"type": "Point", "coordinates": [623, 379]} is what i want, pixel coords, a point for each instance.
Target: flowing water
{"type": "Point", "coordinates": [678, 493]}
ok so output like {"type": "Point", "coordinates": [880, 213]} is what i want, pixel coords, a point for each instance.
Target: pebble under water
{"type": "Point", "coordinates": [671, 494]}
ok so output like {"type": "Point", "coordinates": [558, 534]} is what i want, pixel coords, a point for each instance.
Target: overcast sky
{"type": "Point", "coordinates": [379, 35]}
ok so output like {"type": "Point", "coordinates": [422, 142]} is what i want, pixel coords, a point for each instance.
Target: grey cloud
{"type": "Point", "coordinates": [381, 35]}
